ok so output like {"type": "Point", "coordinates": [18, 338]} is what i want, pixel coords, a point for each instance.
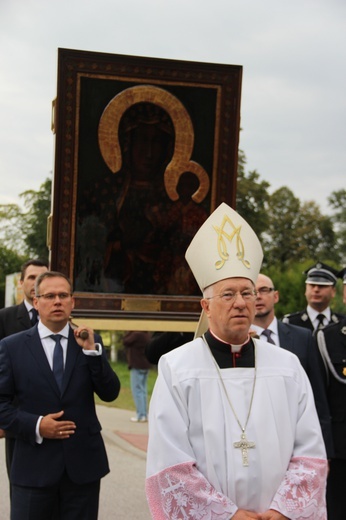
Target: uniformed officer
{"type": "Point", "coordinates": [320, 290]}
{"type": "Point", "coordinates": [332, 344]}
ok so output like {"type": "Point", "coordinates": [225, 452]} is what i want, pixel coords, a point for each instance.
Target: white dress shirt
{"type": "Point", "coordinates": [273, 327]}
{"type": "Point", "coordinates": [312, 313]}
{"type": "Point", "coordinates": [48, 344]}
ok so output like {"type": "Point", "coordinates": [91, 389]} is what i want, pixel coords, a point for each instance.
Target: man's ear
{"type": "Point", "coordinates": [276, 297]}
{"type": "Point", "coordinates": [205, 305]}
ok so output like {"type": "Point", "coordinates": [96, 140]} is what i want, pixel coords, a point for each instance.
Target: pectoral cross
{"type": "Point", "coordinates": [244, 445]}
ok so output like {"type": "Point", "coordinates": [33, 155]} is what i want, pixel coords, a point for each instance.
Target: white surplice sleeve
{"type": "Point", "coordinates": [175, 488]}
{"type": "Point", "coordinates": [301, 495]}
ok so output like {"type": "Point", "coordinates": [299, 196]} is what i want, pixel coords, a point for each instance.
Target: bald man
{"type": "Point", "coordinates": [298, 340]}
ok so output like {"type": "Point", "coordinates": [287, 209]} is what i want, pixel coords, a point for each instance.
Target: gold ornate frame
{"type": "Point", "coordinates": [94, 91]}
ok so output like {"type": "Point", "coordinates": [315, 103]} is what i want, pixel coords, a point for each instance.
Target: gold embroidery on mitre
{"type": "Point", "coordinates": [223, 237]}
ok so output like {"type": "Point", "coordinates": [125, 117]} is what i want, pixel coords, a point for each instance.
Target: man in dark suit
{"type": "Point", "coordinates": [297, 340]}
{"type": "Point", "coordinates": [163, 342]}
{"type": "Point", "coordinates": [332, 344]}
{"type": "Point", "coordinates": [59, 455]}
{"type": "Point", "coordinates": [319, 292]}
{"type": "Point", "coordinates": [17, 318]}
{"type": "Point", "coordinates": [20, 317]}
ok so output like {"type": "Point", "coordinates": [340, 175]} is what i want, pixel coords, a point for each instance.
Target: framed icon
{"type": "Point", "coordinates": [145, 150]}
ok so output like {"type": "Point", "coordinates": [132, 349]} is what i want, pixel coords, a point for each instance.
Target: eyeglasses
{"type": "Point", "coordinates": [52, 296]}
{"type": "Point", "coordinates": [265, 290]}
{"type": "Point", "coordinates": [229, 296]}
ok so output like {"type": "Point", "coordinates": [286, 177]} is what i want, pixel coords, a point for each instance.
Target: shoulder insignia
{"type": "Point", "coordinates": [291, 314]}
{"type": "Point", "coordinates": [343, 330]}
{"type": "Point", "coordinates": [304, 317]}
{"type": "Point", "coordinates": [334, 318]}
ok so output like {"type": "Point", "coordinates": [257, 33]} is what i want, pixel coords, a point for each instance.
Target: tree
{"type": "Point", "coordinates": [39, 206]}
{"type": "Point", "coordinates": [252, 197]}
{"type": "Point", "coordinates": [10, 262]}
{"type": "Point", "coordinates": [337, 201]}
{"type": "Point", "coordinates": [297, 231]}
{"type": "Point", "coordinates": [317, 237]}
{"type": "Point", "coordinates": [282, 239]}
{"type": "Point", "coordinates": [24, 232]}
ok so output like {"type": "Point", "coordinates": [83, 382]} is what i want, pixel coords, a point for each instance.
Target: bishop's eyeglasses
{"type": "Point", "coordinates": [248, 295]}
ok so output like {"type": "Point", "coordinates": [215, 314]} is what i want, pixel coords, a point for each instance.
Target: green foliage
{"type": "Point", "coordinates": [296, 231]}
{"type": "Point", "coordinates": [316, 232]}
{"type": "Point", "coordinates": [252, 196]}
{"type": "Point", "coordinates": [282, 240]}
{"type": "Point", "coordinates": [337, 201]}
{"type": "Point", "coordinates": [10, 262]}
{"type": "Point", "coordinates": [38, 204]}
{"type": "Point", "coordinates": [12, 227]}
{"type": "Point", "coordinates": [290, 231]}
{"type": "Point", "coordinates": [24, 231]}
{"type": "Point", "coordinates": [290, 282]}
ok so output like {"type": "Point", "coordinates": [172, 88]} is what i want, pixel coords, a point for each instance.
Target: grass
{"type": "Point", "coordinates": [125, 400]}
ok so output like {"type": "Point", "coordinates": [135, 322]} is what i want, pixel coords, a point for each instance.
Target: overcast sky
{"type": "Point", "coordinates": [293, 53]}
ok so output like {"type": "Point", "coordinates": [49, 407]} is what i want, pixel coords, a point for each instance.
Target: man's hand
{"type": "Point", "coordinates": [52, 428]}
{"type": "Point", "coordinates": [84, 337]}
{"type": "Point", "coordinates": [2, 433]}
{"type": "Point", "coordinates": [271, 514]}
{"type": "Point", "coordinates": [242, 514]}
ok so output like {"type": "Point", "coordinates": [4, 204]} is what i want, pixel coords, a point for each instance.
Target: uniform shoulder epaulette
{"type": "Point", "coordinates": [290, 314]}
{"type": "Point", "coordinates": [336, 317]}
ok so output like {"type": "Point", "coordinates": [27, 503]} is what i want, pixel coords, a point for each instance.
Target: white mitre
{"type": "Point", "coordinates": [225, 246]}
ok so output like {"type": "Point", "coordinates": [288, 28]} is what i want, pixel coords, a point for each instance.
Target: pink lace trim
{"type": "Point", "coordinates": [182, 492]}
{"type": "Point", "coordinates": [301, 495]}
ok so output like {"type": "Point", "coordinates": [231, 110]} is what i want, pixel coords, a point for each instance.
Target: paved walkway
{"type": "Point", "coordinates": [118, 428]}
{"type": "Point", "coordinates": [122, 495]}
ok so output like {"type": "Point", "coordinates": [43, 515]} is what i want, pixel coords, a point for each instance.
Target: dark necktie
{"type": "Point", "coordinates": [320, 318]}
{"type": "Point", "coordinates": [267, 333]}
{"type": "Point", "coordinates": [58, 359]}
{"type": "Point", "coordinates": [34, 316]}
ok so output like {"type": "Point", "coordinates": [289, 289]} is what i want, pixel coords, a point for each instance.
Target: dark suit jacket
{"type": "Point", "coordinates": [25, 374]}
{"type": "Point", "coordinates": [301, 342]}
{"type": "Point", "coordinates": [301, 319]}
{"type": "Point", "coordinates": [335, 340]}
{"type": "Point", "coordinates": [14, 319]}
{"type": "Point", "coordinates": [163, 342]}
